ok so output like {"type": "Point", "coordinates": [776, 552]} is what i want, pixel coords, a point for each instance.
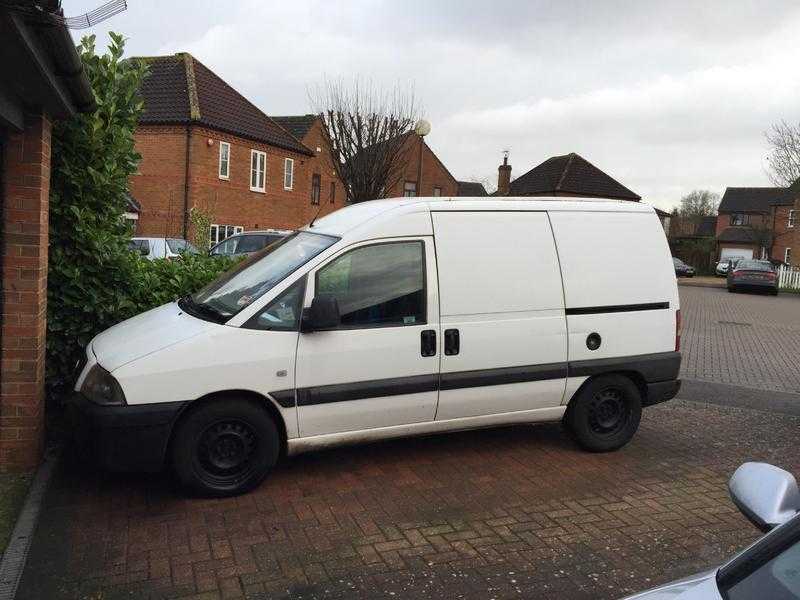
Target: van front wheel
{"type": "Point", "coordinates": [225, 447]}
{"type": "Point", "coordinates": [606, 413]}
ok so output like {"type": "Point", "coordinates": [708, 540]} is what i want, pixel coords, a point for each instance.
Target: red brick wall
{"type": "Point", "coordinates": [26, 186]}
{"type": "Point", "coordinates": [782, 234]}
{"type": "Point", "coordinates": [159, 184]}
{"type": "Point", "coordinates": [434, 173]}
{"type": "Point", "coordinates": [322, 164]}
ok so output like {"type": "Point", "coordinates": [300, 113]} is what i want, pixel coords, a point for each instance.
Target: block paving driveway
{"type": "Point", "coordinates": [516, 512]}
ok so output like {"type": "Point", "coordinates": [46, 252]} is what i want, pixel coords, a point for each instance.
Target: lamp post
{"type": "Point", "coordinates": [422, 128]}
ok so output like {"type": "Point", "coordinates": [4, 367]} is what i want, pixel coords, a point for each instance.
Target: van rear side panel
{"type": "Point", "coordinates": [619, 282]}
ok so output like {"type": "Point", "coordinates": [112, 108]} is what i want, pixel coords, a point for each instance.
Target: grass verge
{"type": "Point", "coordinates": [13, 488]}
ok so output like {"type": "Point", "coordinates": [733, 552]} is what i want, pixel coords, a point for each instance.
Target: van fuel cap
{"type": "Point", "coordinates": [593, 341]}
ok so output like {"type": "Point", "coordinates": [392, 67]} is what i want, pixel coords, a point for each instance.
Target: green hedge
{"type": "Point", "coordinates": [94, 280]}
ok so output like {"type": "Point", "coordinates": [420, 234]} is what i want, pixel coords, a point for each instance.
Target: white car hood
{"type": "Point", "coordinates": [144, 334]}
{"type": "Point", "coordinates": [702, 586]}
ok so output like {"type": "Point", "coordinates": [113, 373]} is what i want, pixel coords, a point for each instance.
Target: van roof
{"type": "Point", "coordinates": [343, 220]}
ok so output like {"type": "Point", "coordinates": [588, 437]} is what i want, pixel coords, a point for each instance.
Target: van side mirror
{"type": "Point", "coordinates": [766, 495]}
{"type": "Point", "coordinates": [322, 314]}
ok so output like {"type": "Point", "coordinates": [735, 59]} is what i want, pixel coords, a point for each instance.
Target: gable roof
{"type": "Point", "coordinates": [755, 199]}
{"type": "Point", "coordinates": [569, 174]}
{"type": "Point", "coordinates": [181, 90]}
{"type": "Point", "coordinates": [297, 125]}
{"type": "Point", "coordinates": [471, 188]}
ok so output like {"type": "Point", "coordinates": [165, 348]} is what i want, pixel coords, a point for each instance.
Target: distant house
{"type": "Point", "coordinates": [206, 146]}
{"type": "Point", "coordinates": [422, 173]}
{"type": "Point", "coordinates": [327, 192]}
{"type": "Point", "coordinates": [471, 189]}
{"type": "Point", "coordinates": [757, 222]}
{"type": "Point", "coordinates": [664, 217]}
{"type": "Point", "coordinates": [567, 175]}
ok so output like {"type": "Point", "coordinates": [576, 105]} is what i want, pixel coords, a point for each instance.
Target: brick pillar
{"type": "Point", "coordinates": [25, 182]}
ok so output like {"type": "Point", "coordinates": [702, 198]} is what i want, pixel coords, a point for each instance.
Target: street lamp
{"type": "Point", "coordinates": [422, 128]}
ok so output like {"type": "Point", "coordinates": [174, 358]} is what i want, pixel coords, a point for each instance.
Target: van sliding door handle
{"type": "Point", "coordinates": [452, 344]}
{"type": "Point", "coordinates": [428, 342]}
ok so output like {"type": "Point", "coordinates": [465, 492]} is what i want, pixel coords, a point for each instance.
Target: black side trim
{"type": "Point", "coordinates": [468, 379]}
{"type": "Point", "coordinates": [342, 392]}
{"type": "Point", "coordinates": [595, 310]}
{"type": "Point", "coordinates": [284, 397]}
{"type": "Point", "coordinates": [661, 366]}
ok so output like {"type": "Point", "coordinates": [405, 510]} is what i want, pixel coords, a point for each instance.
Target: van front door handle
{"type": "Point", "coordinates": [428, 342]}
{"type": "Point", "coordinates": [452, 343]}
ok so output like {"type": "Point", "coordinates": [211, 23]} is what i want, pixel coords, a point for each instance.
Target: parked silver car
{"type": "Point", "coordinates": [154, 247]}
{"type": "Point", "coordinates": [247, 242]}
{"type": "Point", "coordinates": [770, 568]}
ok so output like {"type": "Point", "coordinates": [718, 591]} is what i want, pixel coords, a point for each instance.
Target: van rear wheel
{"type": "Point", "coordinates": [225, 447]}
{"type": "Point", "coordinates": [606, 413]}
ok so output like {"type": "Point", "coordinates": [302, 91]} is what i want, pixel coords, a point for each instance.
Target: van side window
{"type": "Point", "coordinates": [283, 313]}
{"type": "Point", "coordinates": [377, 286]}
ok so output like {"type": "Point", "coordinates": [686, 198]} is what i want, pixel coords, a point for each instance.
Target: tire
{"type": "Point", "coordinates": [732, 290]}
{"type": "Point", "coordinates": [225, 447]}
{"type": "Point", "coordinates": [605, 415]}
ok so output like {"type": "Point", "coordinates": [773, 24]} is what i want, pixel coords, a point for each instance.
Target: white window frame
{"type": "Point", "coordinates": [407, 190]}
{"type": "Point", "coordinates": [258, 167]}
{"type": "Point", "coordinates": [215, 228]}
{"type": "Point", "coordinates": [227, 174]}
{"type": "Point", "coordinates": [787, 256]}
{"type": "Point", "coordinates": [792, 218]}
{"type": "Point", "coordinates": [288, 173]}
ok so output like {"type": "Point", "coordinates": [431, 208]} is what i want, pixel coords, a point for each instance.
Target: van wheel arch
{"type": "Point", "coordinates": [259, 399]}
{"type": "Point", "coordinates": [634, 376]}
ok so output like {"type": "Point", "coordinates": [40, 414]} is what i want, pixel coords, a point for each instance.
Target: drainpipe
{"type": "Point", "coordinates": [186, 184]}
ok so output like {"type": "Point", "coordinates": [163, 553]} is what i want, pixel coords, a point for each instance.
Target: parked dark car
{"type": "Point", "coordinates": [682, 269]}
{"type": "Point", "coordinates": [754, 275]}
{"type": "Point", "coordinates": [247, 242]}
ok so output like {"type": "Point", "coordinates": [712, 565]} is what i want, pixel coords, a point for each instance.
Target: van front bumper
{"type": "Point", "coordinates": [122, 438]}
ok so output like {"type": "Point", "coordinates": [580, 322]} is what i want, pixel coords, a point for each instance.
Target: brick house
{"type": "Point", "coordinates": [567, 175]}
{"type": "Point", "coordinates": [41, 80]}
{"type": "Point", "coordinates": [758, 222]}
{"type": "Point", "coordinates": [205, 146]}
{"type": "Point", "coordinates": [422, 173]}
{"type": "Point", "coordinates": [327, 192]}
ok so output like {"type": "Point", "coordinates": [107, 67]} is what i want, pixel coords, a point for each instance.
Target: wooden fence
{"type": "Point", "coordinates": [789, 278]}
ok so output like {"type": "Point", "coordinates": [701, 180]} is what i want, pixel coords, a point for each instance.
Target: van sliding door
{"type": "Point", "coordinates": [502, 313]}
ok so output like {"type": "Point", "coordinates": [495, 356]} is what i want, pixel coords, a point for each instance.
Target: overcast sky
{"type": "Point", "coordinates": [664, 96]}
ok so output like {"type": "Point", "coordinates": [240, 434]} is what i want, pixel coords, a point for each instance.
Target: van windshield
{"type": "Point", "coordinates": [255, 276]}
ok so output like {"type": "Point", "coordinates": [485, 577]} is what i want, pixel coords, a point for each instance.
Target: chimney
{"type": "Point", "coordinates": [504, 176]}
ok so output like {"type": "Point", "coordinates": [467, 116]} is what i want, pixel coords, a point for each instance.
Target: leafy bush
{"type": "Point", "coordinates": [94, 280]}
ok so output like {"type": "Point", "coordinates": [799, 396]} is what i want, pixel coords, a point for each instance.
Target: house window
{"type": "Point", "coordinates": [222, 232]}
{"type": "Point", "coordinates": [410, 189]}
{"type": "Point", "coordinates": [315, 188]}
{"type": "Point", "coordinates": [224, 160]}
{"type": "Point", "coordinates": [258, 171]}
{"type": "Point", "coordinates": [792, 218]}
{"type": "Point", "coordinates": [740, 219]}
{"type": "Point", "coordinates": [288, 173]}
{"type": "Point", "coordinates": [333, 192]}
{"type": "Point", "coordinates": [787, 256]}
{"type": "Point", "coordinates": [437, 191]}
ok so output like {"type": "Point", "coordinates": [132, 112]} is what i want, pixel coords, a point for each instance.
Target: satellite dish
{"type": "Point", "coordinates": [422, 128]}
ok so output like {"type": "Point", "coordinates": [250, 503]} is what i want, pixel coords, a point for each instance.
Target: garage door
{"type": "Point", "coordinates": [735, 253]}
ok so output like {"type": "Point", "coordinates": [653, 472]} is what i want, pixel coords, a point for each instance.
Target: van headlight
{"type": "Point", "coordinates": [100, 387]}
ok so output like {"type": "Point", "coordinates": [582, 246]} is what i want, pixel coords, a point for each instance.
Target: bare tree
{"type": "Point", "coordinates": [783, 160]}
{"type": "Point", "coordinates": [366, 129]}
{"type": "Point", "coordinates": [698, 204]}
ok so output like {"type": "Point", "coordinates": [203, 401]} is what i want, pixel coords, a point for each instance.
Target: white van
{"type": "Point", "coordinates": [395, 318]}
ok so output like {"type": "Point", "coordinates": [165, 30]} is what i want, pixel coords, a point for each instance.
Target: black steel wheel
{"type": "Point", "coordinates": [605, 413]}
{"type": "Point", "coordinates": [225, 447]}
